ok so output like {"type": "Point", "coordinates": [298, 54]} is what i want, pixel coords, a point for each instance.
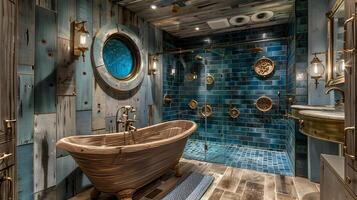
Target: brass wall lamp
{"type": "Point", "coordinates": [316, 69]}
{"type": "Point", "coordinates": [153, 62]}
{"type": "Point", "coordinates": [81, 39]}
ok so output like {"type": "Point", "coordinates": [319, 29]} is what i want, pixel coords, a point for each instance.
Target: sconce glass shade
{"type": "Point", "coordinates": [316, 69]}
{"type": "Point", "coordinates": [153, 59]}
{"type": "Point", "coordinates": [84, 39]}
{"type": "Point", "coordinates": [340, 67]}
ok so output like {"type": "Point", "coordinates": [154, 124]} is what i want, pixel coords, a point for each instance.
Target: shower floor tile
{"type": "Point", "coordinates": [275, 162]}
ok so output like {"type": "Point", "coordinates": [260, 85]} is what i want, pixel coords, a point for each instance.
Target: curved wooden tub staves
{"type": "Point", "coordinates": [114, 167]}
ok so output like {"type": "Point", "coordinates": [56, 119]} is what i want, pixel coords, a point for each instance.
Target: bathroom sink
{"type": "Point", "coordinates": [322, 124]}
{"type": "Point", "coordinates": [313, 107]}
{"type": "Point", "coordinates": [297, 108]}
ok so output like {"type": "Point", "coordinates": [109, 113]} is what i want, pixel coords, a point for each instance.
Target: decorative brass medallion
{"type": "Point", "coordinates": [234, 112]}
{"type": "Point", "coordinates": [264, 103]}
{"type": "Point", "coordinates": [209, 79]}
{"type": "Point", "coordinates": [190, 77]}
{"type": "Point", "coordinates": [206, 110]}
{"type": "Point", "coordinates": [167, 99]}
{"type": "Point", "coordinates": [264, 67]}
{"type": "Point", "coordinates": [193, 104]}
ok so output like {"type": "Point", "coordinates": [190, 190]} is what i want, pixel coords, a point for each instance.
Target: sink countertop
{"type": "Point", "coordinates": [333, 115]}
{"type": "Point", "coordinates": [313, 107]}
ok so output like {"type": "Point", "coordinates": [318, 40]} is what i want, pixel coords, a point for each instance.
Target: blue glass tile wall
{"type": "Point", "coordinates": [236, 84]}
{"type": "Point", "coordinates": [297, 84]}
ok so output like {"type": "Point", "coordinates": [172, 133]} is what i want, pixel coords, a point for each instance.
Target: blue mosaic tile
{"type": "Point", "coordinates": [276, 162]}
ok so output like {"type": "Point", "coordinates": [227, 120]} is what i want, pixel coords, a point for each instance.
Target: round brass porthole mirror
{"type": "Point", "coordinates": [118, 58]}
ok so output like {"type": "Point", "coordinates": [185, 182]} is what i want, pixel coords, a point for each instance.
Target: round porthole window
{"type": "Point", "coordinates": [118, 58]}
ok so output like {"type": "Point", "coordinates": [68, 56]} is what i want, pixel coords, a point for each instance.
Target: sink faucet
{"type": "Point", "coordinates": [124, 120]}
{"type": "Point", "coordinates": [341, 101]}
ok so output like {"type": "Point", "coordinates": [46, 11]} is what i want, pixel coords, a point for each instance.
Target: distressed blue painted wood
{"type": "Point", "coordinates": [66, 119]}
{"type": "Point", "coordinates": [65, 177]}
{"type": "Point", "coordinates": [84, 122]}
{"type": "Point", "coordinates": [110, 125]}
{"type": "Point", "coordinates": [44, 152]}
{"type": "Point", "coordinates": [66, 84]}
{"type": "Point", "coordinates": [45, 73]}
{"type": "Point", "coordinates": [66, 10]}
{"type": "Point", "coordinates": [26, 32]}
{"type": "Point", "coordinates": [82, 181]}
{"type": "Point", "coordinates": [24, 157]}
{"type": "Point", "coordinates": [84, 73]}
{"type": "Point", "coordinates": [25, 109]}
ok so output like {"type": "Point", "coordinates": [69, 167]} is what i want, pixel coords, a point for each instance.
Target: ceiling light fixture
{"type": "Point", "coordinates": [153, 6]}
{"type": "Point", "coordinates": [197, 28]}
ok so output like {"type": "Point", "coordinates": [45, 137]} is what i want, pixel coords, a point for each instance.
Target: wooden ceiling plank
{"type": "Point", "coordinates": [191, 10]}
{"type": "Point", "coordinates": [218, 14]}
{"type": "Point", "coordinates": [210, 16]}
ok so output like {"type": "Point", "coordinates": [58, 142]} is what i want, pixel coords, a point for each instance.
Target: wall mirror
{"type": "Point", "coordinates": [118, 58]}
{"type": "Point", "coordinates": [335, 35]}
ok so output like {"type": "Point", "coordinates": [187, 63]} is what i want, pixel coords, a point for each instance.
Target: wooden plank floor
{"type": "Point", "coordinates": [229, 184]}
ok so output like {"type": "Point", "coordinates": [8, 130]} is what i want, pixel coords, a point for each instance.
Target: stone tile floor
{"type": "Point", "coordinates": [275, 162]}
{"type": "Point", "coordinates": [230, 183]}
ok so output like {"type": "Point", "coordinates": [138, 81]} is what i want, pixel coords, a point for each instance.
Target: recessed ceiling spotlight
{"type": "Point", "coordinates": [240, 20]}
{"type": "Point", "coordinates": [197, 28]}
{"type": "Point", "coordinates": [262, 16]}
{"type": "Point", "coordinates": [153, 6]}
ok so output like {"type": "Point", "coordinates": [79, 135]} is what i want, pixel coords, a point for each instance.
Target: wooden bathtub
{"type": "Point", "coordinates": [113, 167]}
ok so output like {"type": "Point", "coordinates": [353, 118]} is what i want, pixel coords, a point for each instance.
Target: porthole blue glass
{"type": "Point", "coordinates": [118, 58]}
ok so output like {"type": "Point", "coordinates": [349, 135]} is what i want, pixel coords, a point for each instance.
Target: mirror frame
{"type": "Point", "coordinates": [330, 80]}
{"type": "Point", "coordinates": [102, 74]}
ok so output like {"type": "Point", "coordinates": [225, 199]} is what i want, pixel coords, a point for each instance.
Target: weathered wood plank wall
{"type": "Point", "coordinates": [59, 95]}
{"type": "Point", "coordinates": [25, 100]}
{"type": "Point", "coordinates": [45, 68]}
{"type": "Point", "coordinates": [8, 10]}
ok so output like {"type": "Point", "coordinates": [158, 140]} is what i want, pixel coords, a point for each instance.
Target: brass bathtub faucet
{"type": "Point", "coordinates": [125, 121]}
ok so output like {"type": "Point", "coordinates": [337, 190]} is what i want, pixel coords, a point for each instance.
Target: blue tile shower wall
{"type": "Point", "coordinates": [297, 84]}
{"type": "Point", "coordinates": [170, 83]}
{"type": "Point", "coordinates": [235, 85]}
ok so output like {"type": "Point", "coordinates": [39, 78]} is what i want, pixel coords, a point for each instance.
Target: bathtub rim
{"type": "Point", "coordinates": [71, 147]}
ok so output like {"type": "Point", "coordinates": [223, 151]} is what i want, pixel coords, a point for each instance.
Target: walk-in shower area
{"type": "Point", "coordinates": [234, 86]}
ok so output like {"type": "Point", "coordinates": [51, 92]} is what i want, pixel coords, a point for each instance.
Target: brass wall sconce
{"type": "Point", "coordinates": [153, 61]}
{"type": "Point", "coordinates": [316, 69]}
{"type": "Point", "coordinates": [81, 39]}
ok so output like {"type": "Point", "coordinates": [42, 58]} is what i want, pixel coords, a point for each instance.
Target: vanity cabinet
{"type": "Point", "coordinates": [332, 185]}
{"type": "Point", "coordinates": [350, 147]}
